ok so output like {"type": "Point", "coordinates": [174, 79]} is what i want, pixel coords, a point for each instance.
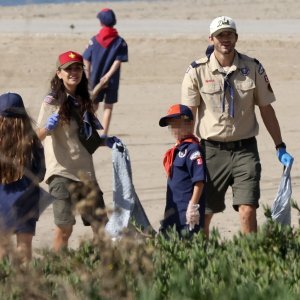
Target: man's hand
{"type": "Point", "coordinates": [285, 158]}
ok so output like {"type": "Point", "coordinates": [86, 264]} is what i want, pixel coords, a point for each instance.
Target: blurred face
{"type": "Point", "coordinates": [180, 128]}
{"type": "Point", "coordinates": [224, 42]}
{"type": "Point", "coordinates": [71, 76]}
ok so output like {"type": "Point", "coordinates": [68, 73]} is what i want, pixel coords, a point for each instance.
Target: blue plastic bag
{"type": "Point", "coordinates": [281, 208]}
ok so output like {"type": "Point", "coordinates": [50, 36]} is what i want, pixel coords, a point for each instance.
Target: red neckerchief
{"type": "Point", "coordinates": [106, 36]}
{"type": "Point", "coordinates": [170, 154]}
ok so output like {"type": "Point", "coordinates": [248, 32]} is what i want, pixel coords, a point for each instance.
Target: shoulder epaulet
{"type": "Point", "coordinates": [49, 99]}
{"type": "Point", "coordinates": [197, 63]}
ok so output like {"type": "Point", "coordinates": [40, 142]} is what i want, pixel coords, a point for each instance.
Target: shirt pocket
{"type": "Point", "coordinates": [245, 88]}
{"type": "Point", "coordinates": [212, 95]}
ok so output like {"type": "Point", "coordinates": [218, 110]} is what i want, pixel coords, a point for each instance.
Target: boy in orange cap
{"type": "Point", "coordinates": [184, 166]}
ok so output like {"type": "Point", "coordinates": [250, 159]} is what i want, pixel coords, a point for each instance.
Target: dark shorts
{"type": "Point", "coordinates": [109, 96]}
{"type": "Point", "coordinates": [68, 194]}
{"type": "Point", "coordinates": [236, 165]}
{"type": "Point", "coordinates": [19, 206]}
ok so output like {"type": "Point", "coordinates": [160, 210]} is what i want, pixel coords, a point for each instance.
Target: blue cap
{"type": "Point", "coordinates": [11, 105]}
{"type": "Point", "coordinates": [107, 17]}
{"type": "Point", "coordinates": [175, 112]}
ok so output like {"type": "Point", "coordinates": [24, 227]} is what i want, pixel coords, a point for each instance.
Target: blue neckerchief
{"type": "Point", "coordinates": [90, 121]}
{"type": "Point", "coordinates": [231, 94]}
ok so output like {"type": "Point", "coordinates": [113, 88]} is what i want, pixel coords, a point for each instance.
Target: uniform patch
{"type": "Point", "coordinates": [261, 69]}
{"type": "Point", "coordinates": [49, 99]}
{"type": "Point", "coordinates": [266, 79]}
{"type": "Point", "coordinates": [199, 161]}
{"type": "Point", "coordinates": [91, 42]}
{"type": "Point", "coordinates": [182, 154]}
{"type": "Point", "coordinates": [245, 71]}
{"type": "Point", "coordinates": [195, 155]}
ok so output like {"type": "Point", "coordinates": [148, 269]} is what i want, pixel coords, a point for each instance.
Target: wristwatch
{"type": "Point", "coordinates": [281, 145]}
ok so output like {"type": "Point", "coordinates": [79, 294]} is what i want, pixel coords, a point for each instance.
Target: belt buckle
{"type": "Point", "coordinates": [230, 145]}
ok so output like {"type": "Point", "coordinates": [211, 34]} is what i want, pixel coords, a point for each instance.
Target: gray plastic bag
{"type": "Point", "coordinates": [127, 205]}
{"type": "Point", "coordinates": [281, 208]}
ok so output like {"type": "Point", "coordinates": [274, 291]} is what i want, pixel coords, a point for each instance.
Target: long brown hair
{"type": "Point", "coordinates": [17, 139]}
{"type": "Point", "coordinates": [58, 91]}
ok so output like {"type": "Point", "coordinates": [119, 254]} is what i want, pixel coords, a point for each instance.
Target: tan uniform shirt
{"type": "Point", "coordinates": [203, 86]}
{"type": "Point", "coordinates": [65, 155]}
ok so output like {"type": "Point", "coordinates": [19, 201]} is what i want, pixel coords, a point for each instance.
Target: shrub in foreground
{"type": "Point", "coordinates": [257, 266]}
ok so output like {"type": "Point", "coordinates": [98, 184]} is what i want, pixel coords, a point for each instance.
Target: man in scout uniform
{"type": "Point", "coordinates": [222, 90]}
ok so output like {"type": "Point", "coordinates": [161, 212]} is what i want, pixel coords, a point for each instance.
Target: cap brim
{"type": "Point", "coordinates": [64, 66]}
{"type": "Point", "coordinates": [164, 121]}
{"type": "Point", "coordinates": [14, 112]}
{"type": "Point", "coordinates": [223, 29]}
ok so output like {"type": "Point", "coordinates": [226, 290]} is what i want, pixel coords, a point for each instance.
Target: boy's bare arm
{"type": "Point", "coordinates": [104, 79]}
{"type": "Point", "coordinates": [197, 192]}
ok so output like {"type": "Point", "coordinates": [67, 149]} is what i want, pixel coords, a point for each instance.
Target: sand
{"type": "Point", "coordinates": [163, 38]}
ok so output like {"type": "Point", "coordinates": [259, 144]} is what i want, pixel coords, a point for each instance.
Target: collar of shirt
{"type": "Point", "coordinates": [215, 65]}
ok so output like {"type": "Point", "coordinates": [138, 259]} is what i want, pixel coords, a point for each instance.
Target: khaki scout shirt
{"type": "Point", "coordinates": [64, 154]}
{"type": "Point", "coordinates": [203, 86]}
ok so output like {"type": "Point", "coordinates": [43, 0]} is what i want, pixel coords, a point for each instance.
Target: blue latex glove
{"type": "Point", "coordinates": [111, 140]}
{"type": "Point", "coordinates": [285, 158]}
{"type": "Point", "coordinates": [52, 122]}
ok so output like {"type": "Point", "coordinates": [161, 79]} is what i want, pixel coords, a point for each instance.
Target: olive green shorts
{"type": "Point", "coordinates": [66, 195]}
{"type": "Point", "coordinates": [239, 168]}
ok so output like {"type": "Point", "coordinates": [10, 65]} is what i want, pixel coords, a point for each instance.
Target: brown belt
{"type": "Point", "coordinates": [229, 145]}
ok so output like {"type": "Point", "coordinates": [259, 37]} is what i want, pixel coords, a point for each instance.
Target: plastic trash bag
{"type": "Point", "coordinates": [281, 208]}
{"type": "Point", "coordinates": [127, 205]}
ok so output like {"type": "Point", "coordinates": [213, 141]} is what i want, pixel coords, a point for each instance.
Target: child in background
{"type": "Point", "coordinates": [22, 167]}
{"type": "Point", "coordinates": [185, 170]}
{"type": "Point", "coordinates": [102, 59]}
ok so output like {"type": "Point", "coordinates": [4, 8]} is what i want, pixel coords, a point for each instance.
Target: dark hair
{"type": "Point", "coordinates": [58, 91]}
{"type": "Point", "coordinates": [17, 143]}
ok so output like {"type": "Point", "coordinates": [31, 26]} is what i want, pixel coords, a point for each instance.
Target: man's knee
{"type": "Point", "coordinates": [247, 210]}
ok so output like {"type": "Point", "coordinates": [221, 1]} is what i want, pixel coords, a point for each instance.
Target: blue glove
{"type": "Point", "coordinates": [52, 122]}
{"type": "Point", "coordinates": [285, 158]}
{"type": "Point", "coordinates": [110, 141]}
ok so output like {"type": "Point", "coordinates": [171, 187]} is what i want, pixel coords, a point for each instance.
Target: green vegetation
{"type": "Point", "coordinates": [265, 265]}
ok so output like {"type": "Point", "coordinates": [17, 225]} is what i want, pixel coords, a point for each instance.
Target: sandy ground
{"type": "Point", "coordinates": [163, 38]}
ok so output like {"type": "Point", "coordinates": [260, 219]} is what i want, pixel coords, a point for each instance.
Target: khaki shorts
{"type": "Point", "coordinates": [238, 167]}
{"type": "Point", "coordinates": [65, 201]}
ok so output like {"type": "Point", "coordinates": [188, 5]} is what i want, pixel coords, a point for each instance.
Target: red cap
{"type": "Point", "coordinates": [68, 58]}
{"type": "Point", "coordinates": [176, 111]}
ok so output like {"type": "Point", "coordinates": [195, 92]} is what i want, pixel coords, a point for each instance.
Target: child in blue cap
{"type": "Point", "coordinates": [102, 59]}
{"type": "Point", "coordinates": [184, 166]}
{"type": "Point", "coordinates": [22, 167]}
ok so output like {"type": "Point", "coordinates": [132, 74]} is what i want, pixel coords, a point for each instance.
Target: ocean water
{"type": "Point", "coordinates": [25, 2]}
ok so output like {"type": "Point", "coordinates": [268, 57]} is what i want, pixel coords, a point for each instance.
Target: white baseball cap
{"type": "Point", "coordinates": [220, 24]}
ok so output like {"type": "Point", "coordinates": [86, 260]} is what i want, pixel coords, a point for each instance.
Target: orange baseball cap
{"type": "Point", "coordinates": [175, 112]}
{"type": "Point", "coordinates": [68, 58]}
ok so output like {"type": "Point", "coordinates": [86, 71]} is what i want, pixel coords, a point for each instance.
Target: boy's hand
{"type": "Point", "coordinates": [192, 215]}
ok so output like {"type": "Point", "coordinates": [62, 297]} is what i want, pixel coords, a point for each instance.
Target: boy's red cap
{"type": "Point", "coordinates": [176, 111]}
{"type": "Point", "coordinates": [68, 58]}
